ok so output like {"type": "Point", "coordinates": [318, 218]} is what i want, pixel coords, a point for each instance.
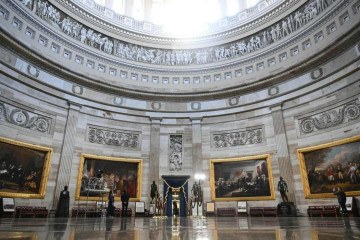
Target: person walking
{"type": "Point", "coordinates": [341, 196]}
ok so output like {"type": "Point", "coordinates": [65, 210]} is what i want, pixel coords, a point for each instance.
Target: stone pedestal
{"type": "Point", "coordinates": [286, 209]}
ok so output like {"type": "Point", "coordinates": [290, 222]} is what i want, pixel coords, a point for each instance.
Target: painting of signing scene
{"type": "Point", "coordinates": [98, 175]}
{"type": "Point", "coordinates": [24, 169]}
{"type": "Point", "coordinates": [334, 164]}
{"type": "Point", "coordinates": [241, 179]}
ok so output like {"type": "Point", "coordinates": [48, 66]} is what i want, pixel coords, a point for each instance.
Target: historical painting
{"type": "Point", "coordinates": [241, 179]}
{"type": "Point", "coordinates": [98, 175]}
{"type": "Point", "coordinates": [335, 164]}
{"type": "Point", "coordinates": [24, 169]}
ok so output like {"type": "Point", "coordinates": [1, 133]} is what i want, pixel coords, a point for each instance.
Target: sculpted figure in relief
{"type": "Point", "coordinates": [177, 57]}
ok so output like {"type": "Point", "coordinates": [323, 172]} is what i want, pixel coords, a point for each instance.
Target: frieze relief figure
{"type": "Point", "coordinates": [123, 50]}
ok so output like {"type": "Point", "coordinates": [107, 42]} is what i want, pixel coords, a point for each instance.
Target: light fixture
{"type": "Point", "coordinates": [199, 176]}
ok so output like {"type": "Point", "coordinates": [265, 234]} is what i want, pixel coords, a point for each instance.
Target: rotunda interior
{"type": "Point", "coordinates": [211, 101]}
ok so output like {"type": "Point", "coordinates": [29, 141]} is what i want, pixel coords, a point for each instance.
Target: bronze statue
{"type": "Point", "coordinates": [283, 189]}
{"type": "Point", "coordinates": [153, 191]}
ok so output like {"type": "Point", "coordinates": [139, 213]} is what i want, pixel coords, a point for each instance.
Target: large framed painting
{"type": "Point", "coordinates": [98, 175]}
{"type": "Point", "coordinates": [241, 179]}
{"type": "Point", "coordinates": [334, 164]}
{"type": "Point", "coordinates": [24, 169]}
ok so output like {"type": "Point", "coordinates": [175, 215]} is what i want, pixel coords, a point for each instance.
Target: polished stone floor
{"type": "Point", "coordinates": [182, 228]}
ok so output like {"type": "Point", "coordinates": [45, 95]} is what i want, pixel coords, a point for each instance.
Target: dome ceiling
{"type": "Point", "coordinates": [183, 18]}
{"type": "Point", "coordinates": [271, 49]}
{"type": "Point", "coordinates": [179, 20]}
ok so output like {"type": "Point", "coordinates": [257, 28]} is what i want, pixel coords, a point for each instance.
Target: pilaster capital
{"type": "Point", "coordinates": [276, 107]}
{"type": "Point", "coordinates": [74, 106]}
{"type": "Point", "coordinates": [155, 120]}
{"type": "Point", "coordinates": [196, 120]}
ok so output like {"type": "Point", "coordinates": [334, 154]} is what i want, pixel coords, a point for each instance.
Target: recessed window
{"type": "Point", "coordinates": [134, 76]}
{"type": "Point", "coordinates": [123, 74]}
{"type": "Point", "coordinates": [165, 80]}
{"type": "Point", "coordinates": [112, 71]}
{"type": "Point", "coordinates": [155, 79]}
{"type": "Point", "coordinates": [79, 59]}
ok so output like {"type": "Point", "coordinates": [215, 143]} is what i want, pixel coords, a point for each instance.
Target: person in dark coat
{"type": "Point", "coordinates": [125, 203]}
{"type": "Point", "coordinates": [111, 207]}
{"type": "Point", "coordinates": [341, 196]}
{"type": "Point", "coordinates": [62, 210]}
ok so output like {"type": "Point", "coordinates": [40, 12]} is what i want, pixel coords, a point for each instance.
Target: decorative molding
{"type": "Point", "coordinates": [118, 101]}
{"type": "Point", "coordinates": [178, 57]}
{"type": "Point", "coordinates": [234, 101]}
{"type": "Point", "coordinates": [317, 73]}
{"type": "Point", "coordinates": [32, 70]}
{"type": "Point", "coordinates": [156, 105]}
{"type": "Point", "coordinates": [77, 89]}
{"type": "Point", "coordinates": [273, 91]}
{"type": "Point", "coordinates": [195, 106]}
{"type": "Point", "coordinates": [113, 137]}
{"type": "Point", "coordinates": [24, 118]}
{"type": "Point", "coordinates": [175, 152]}
{"type": "Point", "coordinates": [338, 115]}
{"type": "Point", "coordinates": [239, 137]}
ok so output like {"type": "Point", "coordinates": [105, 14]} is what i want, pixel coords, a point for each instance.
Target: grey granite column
{"type": "Point", "coordinates": [67, 151]}
{"type": "Point", "coordinates": [154, 153]}
{"type": "Point", "coordinates": [282, 150]}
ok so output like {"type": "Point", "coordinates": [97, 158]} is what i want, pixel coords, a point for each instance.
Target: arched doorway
{"type": "Point", "coordinates": [176, 195]}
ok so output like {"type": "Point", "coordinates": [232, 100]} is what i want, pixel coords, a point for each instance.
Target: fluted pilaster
{"type": "Point", "coordinates": [154, 151]}
{"type": "Point", "coordinates": [67, 151]}
{"type": "Point", "coordinates": [283, 155]}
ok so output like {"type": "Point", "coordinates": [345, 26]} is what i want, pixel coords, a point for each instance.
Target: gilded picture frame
{"type": "Point", "coordinates": [329, 165]}
{"type": "Point", "coordinates": [24, 169]}
{"type": "Point", "coordinates": [100, 174]}
{"type": "Point", "coordinates": [242, 178]}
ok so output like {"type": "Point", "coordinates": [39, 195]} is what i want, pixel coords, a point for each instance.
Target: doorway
{"type": "Point", "coordinates": [175, 195]}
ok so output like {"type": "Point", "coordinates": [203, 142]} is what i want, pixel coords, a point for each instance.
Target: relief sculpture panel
{"type": "Point", "coordinates": [114, 137]}
{"type": "Point", "coordinates": [330, 118]}
{"type": "Point", "coordinates": [237, 137]}
{"type": "Point", "coordinates": [284, 27]}
{"type": "Point", "coordinates": [23, 118]}
{"type": "Point", "coordinates": [175, 153]}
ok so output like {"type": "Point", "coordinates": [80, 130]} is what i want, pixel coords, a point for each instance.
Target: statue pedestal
{"type": "Point", "coordinates": [286, 209]}
{"type": "Point", "coordinates": [197, 211]}
{"type": "Point", "coordinates": [152, 209]}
